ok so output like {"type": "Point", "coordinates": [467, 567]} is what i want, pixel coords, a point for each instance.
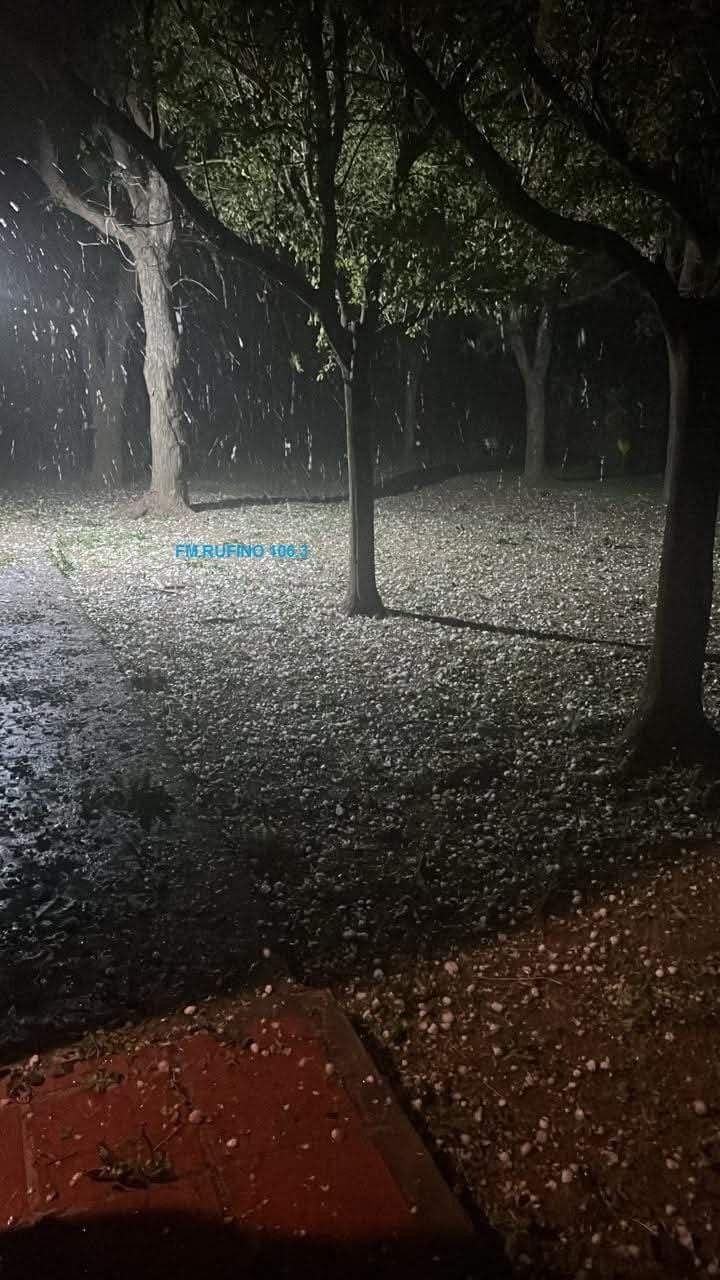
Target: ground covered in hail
{"type": "Point", "coordinates": [422, 814]}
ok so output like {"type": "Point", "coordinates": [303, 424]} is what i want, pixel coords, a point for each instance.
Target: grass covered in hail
{"type": "Point", "coordinates": [426, 813]}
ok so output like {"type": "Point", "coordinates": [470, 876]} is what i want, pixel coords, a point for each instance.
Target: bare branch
{"type": "Point", "coordinates": [273, 265]}
{"type": "Point", "coordinates": [48, 170]}
{"type": "Point", "coordinates": [327, 149]}
{"type": "Point", "coordinates": [607, 287]}
{"type": "Point", "coordinates": [576, 233]}
{"type": "Point", "coordinates": [208, 186]}
{"type": "Point", "coordinates": [121, 156]}
{"type": "Point", "coordinates": [148, 23]}
{"type": "Point", "coordinates": [601, 130]}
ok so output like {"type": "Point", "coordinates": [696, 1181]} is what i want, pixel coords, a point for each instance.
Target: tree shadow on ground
{"type": "Point", "coordinates": [390, 486]}
{"type": "Point", "coordinates": [529, 633]}
{"type": "Point", "coordinates": [183, 1246]}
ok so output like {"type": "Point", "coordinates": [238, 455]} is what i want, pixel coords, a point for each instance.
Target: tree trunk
{"type": "Point", "coordinates": [533, 368]}
{"type": "Point", "coordinates": [672, 420]}
{"type": "Point", "coordinates": [534, 472]}
{"type": "Point", "coordinates": [671, 716]}
{"type": "Point", "coordinates": [411, 357]}
{"type": "Point", "coordinates": [168, 487]}
{"type": "Point", "coordinates": [149, 238]}
{"type": "Point", "coordinates": [107, 386]}
{"type": "Point", "coordinates": [168, 444]}
{"type": "Point", "coordinates": [363, 598]}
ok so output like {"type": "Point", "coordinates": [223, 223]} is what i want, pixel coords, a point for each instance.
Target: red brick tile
{"type": "Point", "coordinates": [13, 1175]}
{"type": "Point", "coordinates": [280, 1146]}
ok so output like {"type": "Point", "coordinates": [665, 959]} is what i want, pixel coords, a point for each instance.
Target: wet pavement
{"type": "Point", "coordinates": [115, 895]}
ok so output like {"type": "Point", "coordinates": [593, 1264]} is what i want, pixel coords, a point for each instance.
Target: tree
{"type": "Point", "coordinates": [125, 199]}
{"type": "Point", "coordinates": [529, 327]}
{"type": "Point", "coordinates": [530, 334]}
{"type": "Point", "coordinates": [333, 245]}
{"type": "Point", "coordinates": [411, 353]}
{"type": "Point", "coordinates": [104, 346]}
{"type": "Point", "coordinates": [292, 129]}
{"type": "Point", "coordinates": [651, 128]}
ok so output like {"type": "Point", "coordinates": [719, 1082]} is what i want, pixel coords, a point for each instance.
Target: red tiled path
{"type": "Point", "coordinates": [237, 1141]}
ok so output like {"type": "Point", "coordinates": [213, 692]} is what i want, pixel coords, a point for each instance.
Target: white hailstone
{"type": "Point", "coordinates": [591, 1065]}
{"type": "Point", "coordinates": [196, 1117]}
{"type": "Point", "coordinates": [329, 1069]}
{"type": "Point", "coordinates": [451, 967]}
{"type": "Point", "coordinates": [496, 1006]}
{"type": "Point", "coordinates": [231, 1144]}
{"type": "Point", "coordinates": [579, 1113]}
{"type": "Point", "coordinates": [505, 1157]}
{"type": "Point", "coordinates": [478, 1115]}
{"type": "Point", "coordinates": [526, 1148]}
{"type": "Point", "coordinates": [541, 1137]}
{"type": "Point", "coordinates": [567, 1175]}
{"type": "Point", "coordinates": [447, 1018]}
{"type": "Point", "coordinates": [543, 1122]}
{"type": "Point", "coordinates": [700, 1107]}
{"type": "Point", "coordinates": [465, 1139]}
{"type": "Point", "coordinates": [189, 1010]}
{"type": "Point", "coordinates": [336, 1134]}
{"type": "Point", "coordinates": [535, 993]}
{"type": "Point", "coordinates": [605, 1064]}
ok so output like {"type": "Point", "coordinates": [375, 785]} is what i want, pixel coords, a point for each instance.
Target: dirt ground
{"type": "Point", "coordinates": [568, 1075]}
